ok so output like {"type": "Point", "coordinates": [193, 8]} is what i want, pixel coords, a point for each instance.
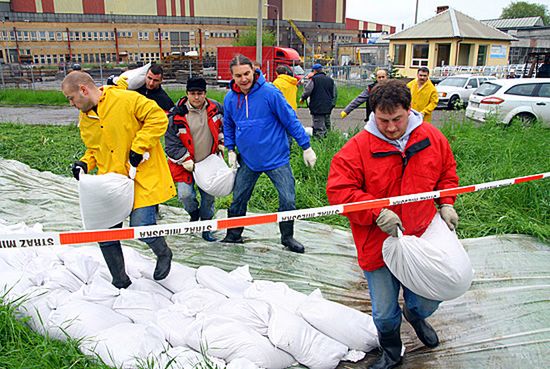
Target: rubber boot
{"type": "Point", "coordinates": [424, 331]}
{"type": "Point", "coordinates": [208, 235]}
{"type": "Point", "coordinates": [287, 237]}
{"type": "Point", "coordinates": [194, 216]}
{"type": "Point", "coordinates": [112, 253]}
{"type": "Point", "coordinates": [391, 345]}
{"type": "Point", "coordinates": [233, 235]}
{"type": "Point", "coordinates": [164, 258]}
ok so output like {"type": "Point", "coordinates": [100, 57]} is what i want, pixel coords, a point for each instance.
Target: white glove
{"type": "Point", "coordinates": [389, 222]}
{"type": "Point", "coordinates": [449, 215]}
{"type": "Point", "coordinates": [309, 157]}
{"type": "Point", "coordinates": [189, 165]}
{"type": "Point", "coordinates": [221, 148]}
{"type": "Point", "coordinates": [232, 159]}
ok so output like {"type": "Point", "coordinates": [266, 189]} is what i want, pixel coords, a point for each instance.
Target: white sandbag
{"type": "Point", "coordinates": [60, 277]}
{"type": "Point", "coordinates": [351, 327]}
{"type": "Point", "coordinates": [136, 77]}
{"type": "Point", "coordinates": [140, 306]}
{"type": "Point", "coordinates": [181, 278]}
{"type": "Point", "coordinates": [174, 323]}
{"type": "Point", "coordinates": [434, 266]}
{"type": "Point", "coordinates": [21, 227]}
{"type": "Point", "coordinates": [18, 258]}
{"type": "Point", "coordinates": [197, 300]}
{"type": "Point", "coordinates": [185, 358]}
{"type": "Point", "coordinates": [252, 313]}
{"type": "Point", "coordinates": [241, 363]}
{"type": "Point", "coordinates": [214, 177]}
{"type": "Point", "coordinates": [229, 340]}
{"type": "Point", "coordinates": [220, 281]}
{"type": "Point", "coordinates": [310, 347]}
{"type": "Point", "coordinates": [83, 267]}
{"type": "Point", "coordinates": [276, 293]}
{"type": "Point", "coordinates": [82, 319]}
{"type": "Point", "coordinates": [98, 291]}
{"type": "Point", "coordinates": [147, 285]}
{"type": "Point", "coordinates": [126, 345]}
{"type": "Point", "coordinates": [105, 200]}
{"type": "Point", "coordinates": [38, 305]}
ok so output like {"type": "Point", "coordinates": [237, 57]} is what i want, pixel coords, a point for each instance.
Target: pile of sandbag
{"type": "Point", "coordinates": [191, 316]}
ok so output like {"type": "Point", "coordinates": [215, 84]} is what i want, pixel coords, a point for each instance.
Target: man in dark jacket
{"type": "Point", "coordinates": [194, 132]}
{"type": "Point", "coordinates": [321, 91]}
{"type": "Point", "coordinates": [152, 88]}
{"type": "Point", "coordinates": [381, 75]}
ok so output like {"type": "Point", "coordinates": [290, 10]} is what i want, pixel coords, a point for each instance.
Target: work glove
{"type": "Point", "coordinates": [221, 148]}
{"type": "Point", "coordinates": [77, 166]}
{"type": "Point", "coordinates": [449, 215]}
{"type": "Point", "coordinates": [309, 157]}
{"type": "Point", "coordinates": [343, 114]}
{"type": "Point", "coordinates": [135, 158]}
{"type": "Point", "coordinates": [232, 159]}
{"type": "Point", "coordinates": [189, 165]}
{"type": "Point", "coordinates": [389, 222]}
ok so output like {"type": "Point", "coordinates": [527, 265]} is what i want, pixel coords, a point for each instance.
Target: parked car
{"type": "Point", "coordinates": [525, 99]}
{"type": "Point", "coordinates": [454, 91]}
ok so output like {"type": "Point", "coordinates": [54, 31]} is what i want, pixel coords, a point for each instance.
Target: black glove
{"type": "Point", "coordinates": [110, 80]}
{"type": "Point", "coordinates": [135, 158]}
{"type": "Point", "coordinates": [77, 165]}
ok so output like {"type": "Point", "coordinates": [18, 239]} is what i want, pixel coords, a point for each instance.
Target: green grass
{"type": "Point", "coordinates": [487, 153]}
{"type": "Point", "coordinates": [22, 348]}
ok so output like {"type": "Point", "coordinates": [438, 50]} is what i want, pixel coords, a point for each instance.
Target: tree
{"type": "Point", "coordinates": [521, 9]}
{"type": "Point", "coordinates": [248, 37]}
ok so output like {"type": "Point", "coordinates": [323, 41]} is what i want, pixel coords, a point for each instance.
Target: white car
{"type": "Point", "coordinates": [454, 91]}
{"type": "Point", "coordinates": [525, 99]}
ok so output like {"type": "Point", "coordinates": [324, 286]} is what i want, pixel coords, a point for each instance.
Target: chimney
{"type": "Point", "coordinates": [441, 9]}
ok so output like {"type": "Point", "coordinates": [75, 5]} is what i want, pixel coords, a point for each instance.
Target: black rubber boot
{"type": "Point", "coordinates": [194, 216]}
{"type": "Point", "coordinates": [391, 351]}
{"type": "Point", "coordinates": [424, 331]}
{"type": "Point", "coordinates": [164, 258]}
{"type": "Point", "coordinates": [233, 235]}
{"type": "Point", "coordinates": [112, 253]}
{"type": "Point", "coordinates": [287, 237]}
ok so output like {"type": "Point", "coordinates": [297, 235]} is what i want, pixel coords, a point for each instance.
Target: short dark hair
{"type": "Point", "coordinates": [389, 95]}
{"type": "Point", "coordinates": [283, 69]}
{"type": "Point", "coordinates": [240, 59]}
{"type": "Point", "coordinates": [156, 69]}
{"type": "Point", "coordinates": [423, 69]}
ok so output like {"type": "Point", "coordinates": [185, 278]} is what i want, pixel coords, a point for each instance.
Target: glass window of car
{"type": "Point", "coordinates": [522, 90]}
{"type": "Point", "coordinates": [544, 90]}
{"type": "Point", "coordinates": [453, 82]}
{"type": "Point", "coordinates": [488, 88]}
{"type": "Point", "coordinates": [472, 83]}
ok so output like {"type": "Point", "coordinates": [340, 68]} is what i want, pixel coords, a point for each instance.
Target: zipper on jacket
{"type": "Point", "coordinates": [246, 103]}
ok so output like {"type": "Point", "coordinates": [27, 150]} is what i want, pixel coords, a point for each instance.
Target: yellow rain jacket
{"type": "Point", "coordinates": [125, 121]}
{"type": "Point", "coordinates": [425, 99]}
{"type": "Point", "coordinates": [288, 86]}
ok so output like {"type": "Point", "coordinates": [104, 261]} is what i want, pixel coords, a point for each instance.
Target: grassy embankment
{"type": "Point", "coordinates": [56, 98]}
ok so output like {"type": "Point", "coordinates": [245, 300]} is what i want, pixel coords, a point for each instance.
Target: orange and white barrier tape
{"type": "Point", "coordinates": [100, 235]}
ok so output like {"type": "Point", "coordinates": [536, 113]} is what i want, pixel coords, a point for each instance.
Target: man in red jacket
{"type": "Point", "coordinates": [396, 154]}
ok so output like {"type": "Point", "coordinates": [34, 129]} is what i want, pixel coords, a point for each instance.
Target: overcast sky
{"type": "Point", "coordinates": [396, 12]}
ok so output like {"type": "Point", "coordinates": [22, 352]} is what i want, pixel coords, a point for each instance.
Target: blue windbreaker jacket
{"type": "Point", "coordinates": [257, 124]}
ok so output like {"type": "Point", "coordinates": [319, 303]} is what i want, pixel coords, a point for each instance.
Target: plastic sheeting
{"type": "Point", "coordinates": [501, 322]}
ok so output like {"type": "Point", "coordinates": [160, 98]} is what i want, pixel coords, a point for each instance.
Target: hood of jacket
{"type": "Point", "coordinates": [415, 120]}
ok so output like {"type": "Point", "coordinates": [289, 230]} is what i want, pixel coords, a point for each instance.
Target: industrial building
{"type": "Point", "coordinates": [46, 32]}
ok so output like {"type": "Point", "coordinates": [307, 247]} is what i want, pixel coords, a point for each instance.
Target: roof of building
{"type": "Point", "coordinates": [515, 23]}
{"type": "Point", "coordinates": [451, 24]}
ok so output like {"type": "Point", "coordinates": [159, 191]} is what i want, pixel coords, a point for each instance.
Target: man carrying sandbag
{"type": "Point", "coordinates": [118, 127]}
{"type": "Point", "coordinates": [396, 154]}
{"type": "Point", "coordinates": [194, 132]}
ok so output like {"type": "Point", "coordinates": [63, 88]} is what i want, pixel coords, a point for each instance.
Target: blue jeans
{"type": "Point", "coordinates": [188, 197]}
{"type": "Point", "coordinates": [138, 217]}
{"type": "Point", "coordinates": [245, 180]}
{"type": "Point", "coordinates": [384, 292]}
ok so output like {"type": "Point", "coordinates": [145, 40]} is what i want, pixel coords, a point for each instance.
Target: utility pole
{"type": "Point", "coordinates": [416, 13]}
{"type": "Point", "coordinates": [276, 8]}
{"type": "Point", "coordinates": [259, 32]}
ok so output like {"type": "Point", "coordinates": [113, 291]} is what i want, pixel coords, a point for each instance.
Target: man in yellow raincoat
{"type": "Point", "coordinates": [424, 94]}
{"type": "Point", "coordinates": [287, 84]}
{"type": "Point", "coordinates": [118, 127]}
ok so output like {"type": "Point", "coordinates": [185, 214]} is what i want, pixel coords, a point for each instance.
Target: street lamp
{"type": "Point", "coordinates": [277, 16]}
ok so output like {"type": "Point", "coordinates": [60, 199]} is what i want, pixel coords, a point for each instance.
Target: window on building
{"type": "Point", "coordinates": [399, 51]}
{"type": "Point", "coordinates": [51, 36]}
{"type": "Point", "coordinates": [420, 55]}
{"type": "Point", "coordinates": [34, 36]}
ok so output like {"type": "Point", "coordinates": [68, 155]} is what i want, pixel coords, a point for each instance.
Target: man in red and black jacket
{"type": "Point", "coordinates": [195, 130]}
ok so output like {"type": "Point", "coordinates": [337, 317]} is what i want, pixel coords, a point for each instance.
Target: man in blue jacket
{"type": "Point", "coordinates": [256, 121]}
